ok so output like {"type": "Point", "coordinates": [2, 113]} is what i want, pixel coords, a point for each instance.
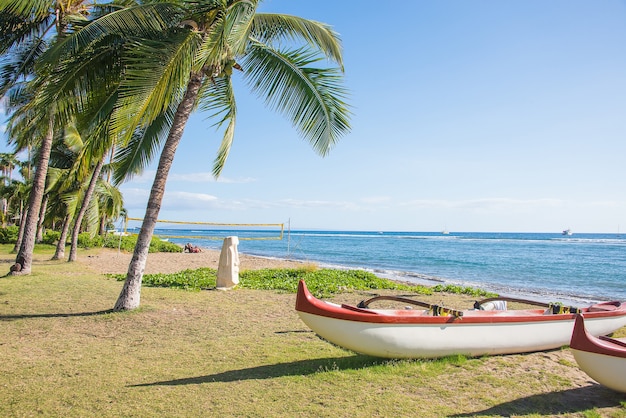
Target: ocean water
{"type": "Point", "coordinates": [548, 267]}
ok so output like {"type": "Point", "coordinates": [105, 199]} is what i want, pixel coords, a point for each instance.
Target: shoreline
{"type": "Point", "coordinates": [111, 261]}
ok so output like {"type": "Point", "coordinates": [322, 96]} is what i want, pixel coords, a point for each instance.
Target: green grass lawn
{"type": "Point", "coordinates": [240, 353]}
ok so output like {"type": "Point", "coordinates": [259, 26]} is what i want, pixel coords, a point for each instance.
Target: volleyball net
{"type": "Point", "coordinates": [211, 230]}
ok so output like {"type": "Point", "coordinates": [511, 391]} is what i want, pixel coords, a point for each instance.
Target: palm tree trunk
{"type": "Point", "coordinates": [5, 211]}
{"type": "Point", "coordinates": [103, 220]}
{"type": "Point", "coordinates": [20, 232]}
{"type": "Point", "coordinates": [59, 253]}
{"type": "Point", "coordinates": [131, 292]}
{"type": "Point", "coordinates": [42, 218]}
{"type": "Point", "coordinates": [24, 259]}
{"type": "Point", "coordinates": [83, 209]}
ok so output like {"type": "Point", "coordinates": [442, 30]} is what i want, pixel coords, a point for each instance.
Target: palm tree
{"type": "Point", "coordinates": [187, 62]}
{"type": "Point", "coordinates": [26, 28]}
{"type": "Point", "coordinates": [13, 195]}
{"type": "Point", "coordinates": [8, 162]}
{"type": "Point", "coordinates": [110, 205]}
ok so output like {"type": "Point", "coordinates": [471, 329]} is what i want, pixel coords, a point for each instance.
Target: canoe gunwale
{"type": "Point", "coordinates": [306, 302]}
{"type": "Point", "coordinates": [583, 341]}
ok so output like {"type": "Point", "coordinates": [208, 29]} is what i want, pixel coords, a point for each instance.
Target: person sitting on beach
{"type": "Point", "coordinates": [191, 249]}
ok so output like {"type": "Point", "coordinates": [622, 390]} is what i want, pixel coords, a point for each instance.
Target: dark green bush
{"type": "Point", "coordinates": [127, 243]}
{"type": "Point", "coordinates": [85, 240]}
{"type": "Point", "coordinates": [123, 243]}
{"type": "Point", "coordinates": [8, 235]}
{"type": "Point", "coordinates": [51, 237]}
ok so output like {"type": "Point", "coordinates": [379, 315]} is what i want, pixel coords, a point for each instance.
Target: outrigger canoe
{"type": "Point", "coordinates": [602, 358]}
{"type": "Point", "coordinates": [437, 331]}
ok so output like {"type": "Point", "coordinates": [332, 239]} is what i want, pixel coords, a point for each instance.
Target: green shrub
{"type": "Point", "coordinates": [8, 235]}
{"type": "Point", "coordinates": [51, 237]}
{"type": "Point", "coordinates": [85, 240]}
{"type": "Point", "coordinates": [321, 282]}
{"type": "Point", "coordinates": [123, 243]}
{"type": "Point", "coordinates": [127, 243]}
{"type": "Point", "coordinates": [160, 246]}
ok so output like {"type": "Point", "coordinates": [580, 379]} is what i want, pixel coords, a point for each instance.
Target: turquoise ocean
{"type": "Point", "coordinates": [549, 267]}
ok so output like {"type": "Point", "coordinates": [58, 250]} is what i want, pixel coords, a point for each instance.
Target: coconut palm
{"type": "Point", "coordinates": [110, 205]}
{"type": "Point", "coordinates": [187, 62]}
{"type": "Point", "coordinates": [8, 162]}
{"type": "Point", "coordinates": [13, 195]}
{"type": "Point", "coordinates": [26, 27]}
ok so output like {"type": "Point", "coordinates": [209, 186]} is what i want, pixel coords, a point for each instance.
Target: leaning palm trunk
{"type": "Point", "coordinates": [42, 216]}
{"type": "Point", "coordinates": [83, 209]}
{"type": "Point", "coordinates": [131, 292]}
{"type": "Point", "coordinates": [59, 253]}
{"type": "Point", "coordinates": [24, 259]}
{"type": "Point", "coordinates": [20, 232]}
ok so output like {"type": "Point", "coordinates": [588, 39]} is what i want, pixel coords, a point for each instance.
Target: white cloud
{"type": "Point", "coordinates": [484, 204]}
{"type": "Point", "coordinates": [375, 199]}
{"type": "Point", "coordinates": [200, 177]}
{"type": "Point", "coordinates": [207, 177]}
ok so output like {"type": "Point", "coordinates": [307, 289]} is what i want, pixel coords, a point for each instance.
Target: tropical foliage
{"type": "Point", "coordinates": [322, 283]}
{"type": "Point", "coordinates": [126, 76]}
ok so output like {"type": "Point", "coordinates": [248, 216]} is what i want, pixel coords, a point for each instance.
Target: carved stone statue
{"type": "Point", "coordinates": [228, 268]}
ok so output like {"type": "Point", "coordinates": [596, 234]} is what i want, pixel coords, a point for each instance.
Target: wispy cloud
{"type": "Point", "coordinates": [199, 177]}
{"type": "Point", "coordinates": [376, 199]}
{"type": "Point", "coordinates": [207, 177]}
{"type": "Point", "coordinates": [494, 203]}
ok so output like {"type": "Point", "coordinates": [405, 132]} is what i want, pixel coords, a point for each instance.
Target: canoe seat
{"type": "Point", "coordinates": [616, 341]}
{"type": "Point", "coordinates": [603, 307]}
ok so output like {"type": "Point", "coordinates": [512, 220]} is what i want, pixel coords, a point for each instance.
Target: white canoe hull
{"type": "Point", "coordinates": [609, 371]}
{"type": "Point", "coordinates": [430, 341]}
{"type": "Point", "coordinates": [397, 334]}
{"type": "Point", "coordinates": [604, 360]}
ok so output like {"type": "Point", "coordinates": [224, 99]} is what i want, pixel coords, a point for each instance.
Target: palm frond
{"type": "Point", "coordinates": [156, 77]}
{"type": "Point", "coordinates": [311, 98]}
{"type": "Point", "coordinates": [20, 65]}
{"type": "Point", "coordinates": [139, 21]}
{"type": "Point", "coordinates": [219, 100]}
{"type": "Point", "coordinates": [132, 158]}
{"type": "Point", "coordinates": [269, 28]}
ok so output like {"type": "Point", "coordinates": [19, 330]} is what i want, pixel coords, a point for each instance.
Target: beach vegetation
{"type": "Point", "coordinates": [466, 290]}
{"type": "Point", "coordinates": [126, 243]}
{"type": "Point", "coordinates": [322, 283]}
{"type": "Point", "coordinates": [8, 235]}
{"type": "Point", "coordinates": [86, 240]}
{"type": "Point", "coordinates": [51, 237]}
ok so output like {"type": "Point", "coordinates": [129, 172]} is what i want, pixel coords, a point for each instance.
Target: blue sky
{"type": "Point", "coordinates": [481, 115]}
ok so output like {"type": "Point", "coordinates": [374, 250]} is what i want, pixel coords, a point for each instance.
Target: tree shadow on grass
{"type": "Point", "coordinates": [270, 371]}
{"type": "Point", "coordinates": [555, 403]}
{"type": "Point", "coordinates": [53, 315]}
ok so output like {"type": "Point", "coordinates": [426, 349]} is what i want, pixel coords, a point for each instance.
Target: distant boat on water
{"type": "Point", "coordinates": [567, 232]}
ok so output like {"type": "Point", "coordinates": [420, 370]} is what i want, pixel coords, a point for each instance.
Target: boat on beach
{"type": "Point", "coordinates": [602, 358]}
{"type": "Point", "coordinates": [436, 331]}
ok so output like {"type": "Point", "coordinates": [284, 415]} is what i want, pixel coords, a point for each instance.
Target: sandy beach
{"type": "Point", "coordinates": [116, 262]}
